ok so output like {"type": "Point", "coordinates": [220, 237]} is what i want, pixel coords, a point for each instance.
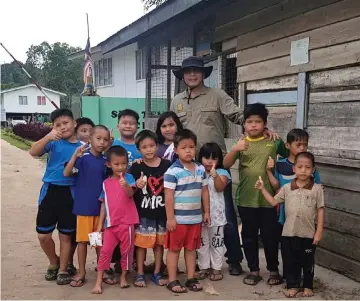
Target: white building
{"type": "Point", "coordinates": [26, 100]}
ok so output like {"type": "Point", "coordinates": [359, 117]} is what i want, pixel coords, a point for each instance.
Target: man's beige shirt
{"type": "Point", "coordinates": [301, 207]}
{"type": "Point", "coordinates": [205, 114]}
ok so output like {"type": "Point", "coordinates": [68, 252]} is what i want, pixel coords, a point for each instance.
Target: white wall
{"type": "Point", "coordinates": [123, 74]}
{"type": "Point", "coordinates": [11, 101]}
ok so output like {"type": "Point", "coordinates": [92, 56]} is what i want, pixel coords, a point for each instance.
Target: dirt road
{"type": "Point", "coordinates": [23, 264]}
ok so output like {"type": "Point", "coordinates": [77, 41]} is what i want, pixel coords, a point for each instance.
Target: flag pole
{"type": "Point", "coordinates": [30, 77]}
{"type": "Point", "coordinates": [92, 66]}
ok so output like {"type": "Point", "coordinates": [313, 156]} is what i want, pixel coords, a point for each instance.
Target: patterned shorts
{"type": "Point", "coordinates": [150, 233]}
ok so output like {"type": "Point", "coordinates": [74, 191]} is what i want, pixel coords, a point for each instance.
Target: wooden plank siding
{"type": "Point", "coordinates": [316, 18]}
{"type": "Point", "coordinates": [319, 59]}
{"type": "Point", "coordinates": [332, 117]}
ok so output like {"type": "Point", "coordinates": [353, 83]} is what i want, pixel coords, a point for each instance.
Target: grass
{"type": "Point", "coordinates": [15, 140]}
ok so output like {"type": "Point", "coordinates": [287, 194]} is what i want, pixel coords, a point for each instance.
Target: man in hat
{"type": "Point", "coordinates": [203, 110]}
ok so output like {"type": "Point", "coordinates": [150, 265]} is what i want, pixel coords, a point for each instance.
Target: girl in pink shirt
{"type": "Point", "coordinates": [118, 216]}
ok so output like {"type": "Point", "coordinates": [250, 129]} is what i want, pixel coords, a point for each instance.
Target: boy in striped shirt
{"type": "Point", "coordinates": [186, 197]}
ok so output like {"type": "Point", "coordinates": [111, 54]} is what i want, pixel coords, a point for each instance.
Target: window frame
{"type": "Point", "coordinates": [21, 100]}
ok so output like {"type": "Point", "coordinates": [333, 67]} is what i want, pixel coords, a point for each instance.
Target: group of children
{"type": "Point", "coordinates": [162, 191]}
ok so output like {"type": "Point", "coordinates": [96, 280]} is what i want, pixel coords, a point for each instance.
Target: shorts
{"type": "Point", "coordinates": [55, 209]}
{"type": "Point", "coordinates": [150, 233]}
{"type": "Point", "coordinates": [85, 225]}
{"type": "Point", "coordinates": [184, 236]}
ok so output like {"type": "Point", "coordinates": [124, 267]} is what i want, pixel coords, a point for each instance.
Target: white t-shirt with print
{"type": "Point", "coordinates": [217, 201]}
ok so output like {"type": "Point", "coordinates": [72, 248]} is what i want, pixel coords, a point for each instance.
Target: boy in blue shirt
{"type": "Point", "coordinates": [88, 187]}
{"type": "Point", "coordinates": [282, 172]}
{"type": "Point", "coordinates": [128, 126]}
{"type": "Point", "coordinates": [56, 199]}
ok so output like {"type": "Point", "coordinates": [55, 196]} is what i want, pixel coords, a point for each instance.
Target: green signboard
{"type": "Point", "coordinates": [105, 110]}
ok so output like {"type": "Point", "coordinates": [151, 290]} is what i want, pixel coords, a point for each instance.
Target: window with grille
{"type": "Point", "coordinates": [141, 64]}
{"type": "Point", "coordinates": [41, 101]}
{"type": "Point", "coordinates": [23, 101]}
{"type": "Point", "coordinates": [103, 72]}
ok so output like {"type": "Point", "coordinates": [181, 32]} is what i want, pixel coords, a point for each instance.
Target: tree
{"type": "Point", "coordinates": [49, 66]}
{"type": "Point", "coordinates": [150, 3]}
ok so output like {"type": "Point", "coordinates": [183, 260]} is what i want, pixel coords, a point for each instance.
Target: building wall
{"type": "Point", "coordinates": [11, 101]}
{"type": "Point", "coordinates": [124, 83]}
{"type": "Point", "coordinates": [333, 102]}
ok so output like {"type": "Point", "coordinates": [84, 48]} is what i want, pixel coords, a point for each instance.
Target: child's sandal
{"type": "Point", "coordinates": [216, 275]}
{"type": "Point", "coordinates": [51, 273]}
{"type": "Point", "coordinates": [140, 281]}
{"type": "Point", "coordinates": [175, 283]}
{"type": "Point", "coordinates": [194, 285]}
{"type": "Point", "coordinates": [157, 278]}
{"type": "Point", "coordinates": [202, 274]}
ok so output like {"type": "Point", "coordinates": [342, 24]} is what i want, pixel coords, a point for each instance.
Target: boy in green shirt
{"type": "Point", "coordinates": [253, 152]}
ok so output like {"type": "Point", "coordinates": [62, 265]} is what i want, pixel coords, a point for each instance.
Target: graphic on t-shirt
{"type": "Point", "coordinates": [154, 199]}
{"type": "Point", "coordinates": [151, 203]}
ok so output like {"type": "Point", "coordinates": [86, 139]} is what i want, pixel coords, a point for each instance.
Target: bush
{"type": "Point", "coordinates": [31, 131]}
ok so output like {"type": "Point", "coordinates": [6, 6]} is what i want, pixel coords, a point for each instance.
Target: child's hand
{"type": "Point", "coordinates": [270, 163]}
{"type": "Point", "coordinates": [141, 183]}
{"type": "Point", "coordinates": [206, 219]}
{"type": "Point", "coordinates": [138, 161]}
{"type": "Point", "coordinates": [260, 184]}
{"type": "Point", "coordinates": [111, 136]}
{"type": "Point", "coordinates": [241, 145]}
{"type": "Point", "coordinates": [213, 172]}
{"type": "Point", "coordinates": [317, 237]}
{"type": "Point", "coordinates": [122, 181]}
{"type": "Point", "coordinates": [54, 135]}
{"type": "Point", "coordinates": [171, 225]}
{"type": "Point", "coordinates": [81, 150]}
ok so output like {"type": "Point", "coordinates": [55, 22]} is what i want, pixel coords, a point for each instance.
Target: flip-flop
{"type": "Point", "coordinates": [213, 276]}
{"type": "Point", "coordinates": [79, 282]}
{"type": "Point", "coordinates": [124, 286]}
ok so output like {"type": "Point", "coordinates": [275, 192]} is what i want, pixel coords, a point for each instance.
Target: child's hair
{"type": "Point", "coordinates": [99, 126]}
{"type": "Point", "coordinates": [143, 135]}
{"type": "Point", "coordinates": [212, 150]}
{"type": "Point", "coordinates": [297, 135]}
{"type": "Point", "coordinates": [256, 109]}
{"type": "Point", "coordinates": [162, 118]}
{"type": "Point", "coordinates": [307, 155]}
{"type": "Point", "coordinates": [184, 134]}
{"type": "Point", "coordinates": [60, 113]}
{"type": "Point", "coordinates": [129, 112]}
{"type": "Point", "coordinates": [116, 151]}
{"type": "Point", "coordinates": [83, 120]}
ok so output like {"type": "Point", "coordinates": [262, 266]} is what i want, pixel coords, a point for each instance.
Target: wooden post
{"type": "Point", "coordinates": [302, 101]}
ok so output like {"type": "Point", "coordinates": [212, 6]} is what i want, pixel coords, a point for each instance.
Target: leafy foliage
{"type": "Point", "coordinates": [49, 66]}
{"type": "Point", "coordinates": [31, 131]}
{"type": "Point", "coordinates": [150, 3]}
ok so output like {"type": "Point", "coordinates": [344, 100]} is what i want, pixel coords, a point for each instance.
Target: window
{"type": "Point", "coordinates": [41, 101]}
{"type": "Point", "coordinates": [103, 72]}
{"type": "Point", "coordinates": [23, 100]}
{"type": "Point", "coordinates": [140, 64]}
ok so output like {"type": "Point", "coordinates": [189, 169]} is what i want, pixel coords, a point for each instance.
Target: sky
{"type": "Point", "coordinates": [25, 22]}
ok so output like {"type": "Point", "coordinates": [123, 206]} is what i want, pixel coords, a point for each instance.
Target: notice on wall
{"type": "Point", "coordinates": [300, 52]}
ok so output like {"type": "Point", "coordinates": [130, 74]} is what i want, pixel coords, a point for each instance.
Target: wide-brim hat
{"type": "Point", "coordinates": [193, 62]}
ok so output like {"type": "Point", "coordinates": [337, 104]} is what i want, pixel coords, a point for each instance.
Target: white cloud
{"type": "Point", "coordinates": [24, 22]}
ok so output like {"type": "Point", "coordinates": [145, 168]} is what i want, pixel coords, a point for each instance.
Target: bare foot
{"type": "Point", "coordinates": [308, 293]}
{"type": "Point", "coordinates": [291, 293]}
{"type": "Point", "coordinates": [123, 281]}
{"type": "Point", "coordinates": [97, 289]}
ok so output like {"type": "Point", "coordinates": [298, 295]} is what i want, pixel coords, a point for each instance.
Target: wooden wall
{"type": "Point", "coordinates": [333, 115]}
